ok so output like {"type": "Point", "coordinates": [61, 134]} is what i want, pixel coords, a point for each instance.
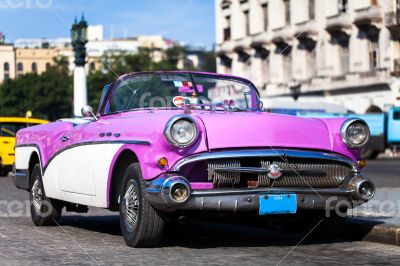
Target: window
{"type": "Point", "coordinates": [247, 22]}
{"type": "Point", "coordinates": [227, 28]}
{"type": "Point", "coordinates": [92, 67]}
{"type": "Point", "coordinates": [6, 70]}
{"type": "Point", "coordinates": [10, 129]}
{"type": "Point", "coordinates": [286, 4]}
{"type": "Point", "coordinates": [265, 16]}
{"type": "Point", "coordinates": [373, 56]}
{"type": "Point", "coordinates": [20, 69]}
{"type": "Point", "coordinates": [287, 65]}
{"type": "Point", "coordinates": [344, 56]}
{"type": "Point", "coordinates": [311, 9]}
{"type": "Point", "coordinates": [342, 6]}
{"type": "Point", "coordinates": [396, 115]}
{"type": "Point", "coordinates": [34, 67]}
{"type": "Point", "coordinates": [48, 66]}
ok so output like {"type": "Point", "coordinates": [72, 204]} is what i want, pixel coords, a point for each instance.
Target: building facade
{"type": "Point", "coordinates": [344, 52]}
{"type": "Point", "coordinates": [7, 62]}
{"type": "Point", "coordinates": [34, 60]}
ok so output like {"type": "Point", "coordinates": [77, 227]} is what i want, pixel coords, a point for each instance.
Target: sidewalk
{"type": "Point", "coordinates": [378, 220]}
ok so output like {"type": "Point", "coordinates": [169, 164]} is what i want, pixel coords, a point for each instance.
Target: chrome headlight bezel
{"type": "Point", "coordinates": [168, 135]}
{"type": "Point", "coordinates": [345, 127]}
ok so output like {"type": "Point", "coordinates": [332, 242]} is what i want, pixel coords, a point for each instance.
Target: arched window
{"type": "Point", "coordinates": [20, 69]}
{"type": "Point", "coordinates": [92, 67]}
{"type": "Point", "coordinates": [47, 66]}
{"type": "Point", "coordinates": [6, 70]}
{"type": "Point", "coordinates": [6, 67]}
{"type": "Point", "coordinates": [34, 67]}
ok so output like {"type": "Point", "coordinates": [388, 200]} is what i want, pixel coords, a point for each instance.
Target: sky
{"type": "Point", "coordinates": [188, 21]}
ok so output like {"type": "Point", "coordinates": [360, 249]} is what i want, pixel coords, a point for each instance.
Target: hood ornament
{"type": "Point", "coordinates": [274, 172]}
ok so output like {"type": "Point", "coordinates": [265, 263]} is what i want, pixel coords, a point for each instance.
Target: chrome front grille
{"type": "Point", "coordinates": [315, 174]}
{"type": "Point", "coordinates": [226, 178]}
{"type": "Point", "coordinates": [296, 173]}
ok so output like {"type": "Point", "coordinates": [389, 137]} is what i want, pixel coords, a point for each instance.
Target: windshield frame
{"type": "Point", "coordinates": [104, 104]}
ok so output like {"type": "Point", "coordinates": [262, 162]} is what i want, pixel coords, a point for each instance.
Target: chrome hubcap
{"type": "Point", "coordinates": [130, 206]}
{"type": "Point", "coordinates": [37, 196]}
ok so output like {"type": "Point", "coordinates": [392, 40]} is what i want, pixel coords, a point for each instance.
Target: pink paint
{"type": "Point", "coordinates": [201, 185]}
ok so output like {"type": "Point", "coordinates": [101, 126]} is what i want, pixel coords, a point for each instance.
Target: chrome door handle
{"type": "Point", "coordinates": [64, 138]}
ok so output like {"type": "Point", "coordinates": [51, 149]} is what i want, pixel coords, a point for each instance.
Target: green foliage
{"type": "Point", "coordinates": [48, 96]}
{"type": "Point", "coordinates": [209, 64]}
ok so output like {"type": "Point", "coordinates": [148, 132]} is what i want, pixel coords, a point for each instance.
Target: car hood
{"type": "Point", "coordinates": [257, 129]}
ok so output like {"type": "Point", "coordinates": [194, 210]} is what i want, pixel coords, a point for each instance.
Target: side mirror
{"type": "Point", "coordinates": [87, 111]}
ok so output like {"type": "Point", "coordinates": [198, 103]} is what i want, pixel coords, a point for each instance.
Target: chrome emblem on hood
{"type": "Point", "coordinates": [274, 172]}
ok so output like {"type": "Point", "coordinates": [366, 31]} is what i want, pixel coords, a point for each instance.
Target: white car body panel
{"type": "Point", "coordinates": [23, 155]}
{"type": "Point", "coordinates": [78, 174]}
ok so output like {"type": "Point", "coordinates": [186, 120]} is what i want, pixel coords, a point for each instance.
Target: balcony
{"type": "Point", "coordinates": [369, 15]}
{"type": "Point", "coordinates": [308, 28]}
{"type": "Point", "coordinates": [283, 34]}
{"type": "Point", "coordinates": [242, 44]}
{"type": "Point", "coordinates": [339, 22]}
{"type": "Point", "coordinates": [261, 39]}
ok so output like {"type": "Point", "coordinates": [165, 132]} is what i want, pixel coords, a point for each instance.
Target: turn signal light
{"type": "Point", "coordinates": [362, 163]}
{"type": "Point", "coordinates": [162, 162]}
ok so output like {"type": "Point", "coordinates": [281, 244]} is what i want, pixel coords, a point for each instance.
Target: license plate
{"type": "Point", "coordinates": [278, 204]}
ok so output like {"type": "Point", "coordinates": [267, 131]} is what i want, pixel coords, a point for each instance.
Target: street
{"type": "Point", "coordinates": [95, 238]}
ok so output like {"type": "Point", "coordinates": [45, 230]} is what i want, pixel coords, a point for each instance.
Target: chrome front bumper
{"type": "Point", "coordinates": [158, 192]}
{"type": "Point", "coordinates": [348, 193]}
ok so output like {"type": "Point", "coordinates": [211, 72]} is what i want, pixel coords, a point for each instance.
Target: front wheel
{"type": "Point", "coordinates": [141, 225]}
{"type": "Point", "coordinates": [44, 211]}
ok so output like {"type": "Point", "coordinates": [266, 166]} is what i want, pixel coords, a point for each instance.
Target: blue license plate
{"type": "Point", "coordinates": [278, 204]}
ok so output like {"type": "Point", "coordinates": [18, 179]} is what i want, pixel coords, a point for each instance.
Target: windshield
{"type": "Point", "coordinates": [10, 129]}
{"type": "Point", "coordinates": [170, 90]}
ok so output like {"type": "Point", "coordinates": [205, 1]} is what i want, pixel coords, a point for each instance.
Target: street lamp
{"type": "Point", "coordinates": [78, 40]}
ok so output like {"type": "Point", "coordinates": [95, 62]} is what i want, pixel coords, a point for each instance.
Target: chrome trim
{"type": "Point", "coordinates": [167, 186]}
{"type": "Point", "coordinates": [239, 199]}
{"type": "Point", "coordinates": [168, 126]}
{"type": "Point", "coordinates": [263, 153]}
{"type": "Point", "coordinates": [252, 170]}
{"type": "Point", "coordinates": [343, 133]}
{"type": "Point", "coordinates": [221, 192]}
{"type": "Point", "coordinates": [355, 185]}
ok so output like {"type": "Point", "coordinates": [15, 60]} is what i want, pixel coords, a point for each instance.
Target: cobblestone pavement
{"type": "Point", "coordinates": [94, 238]}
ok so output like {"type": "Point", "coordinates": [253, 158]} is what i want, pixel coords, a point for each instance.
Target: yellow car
{"type": "Point", "coordinates": [8, 129]}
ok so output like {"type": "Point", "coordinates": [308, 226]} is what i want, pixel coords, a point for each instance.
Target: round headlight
{"type": "Point", "coordinates": [355, 133]}
{"type": "Point", "coordinates": [181, 131]}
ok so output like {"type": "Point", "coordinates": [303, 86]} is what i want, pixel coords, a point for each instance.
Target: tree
{"type": "Point", "coordinates": [48, 95]}
{"type": "Point", "coordinates": [209, 64]}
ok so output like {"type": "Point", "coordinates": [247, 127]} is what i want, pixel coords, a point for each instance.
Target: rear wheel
{"type": "Point", "coordinates": [141, 225]}
{"type": "Point", "coordinates": [44, 211]}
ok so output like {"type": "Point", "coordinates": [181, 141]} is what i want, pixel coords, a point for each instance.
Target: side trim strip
{"type": "Point", "coordinates": [137, 142]}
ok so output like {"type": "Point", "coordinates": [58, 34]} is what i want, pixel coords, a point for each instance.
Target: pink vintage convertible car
{"type": "Point", "coordinates": [167, 143]}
